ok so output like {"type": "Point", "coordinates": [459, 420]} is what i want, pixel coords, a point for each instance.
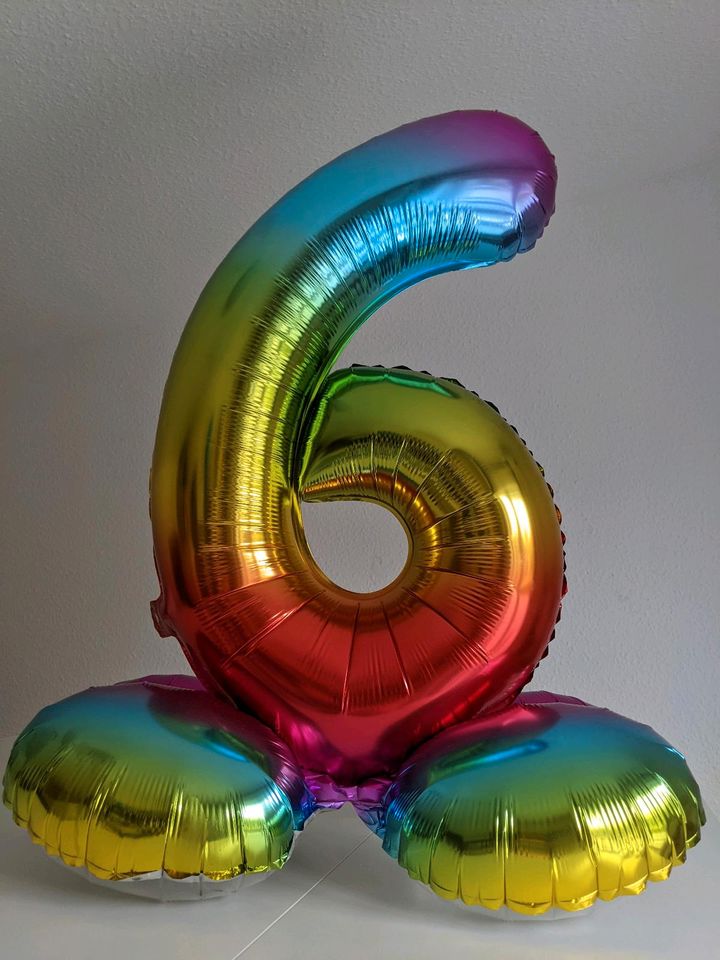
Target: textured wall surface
{"type": "Point", "coordinates": [140, 139]}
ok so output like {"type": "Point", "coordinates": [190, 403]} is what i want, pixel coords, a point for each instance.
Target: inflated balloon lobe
{"type": "Point", "coordinates": [252, 421]}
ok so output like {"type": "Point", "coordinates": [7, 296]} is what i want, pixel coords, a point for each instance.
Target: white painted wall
{"type": "Point", "coordinates": [141, 138]}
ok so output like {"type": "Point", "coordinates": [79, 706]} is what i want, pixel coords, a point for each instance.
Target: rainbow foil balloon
{"type": "Point", "coordinates": [405, 702]}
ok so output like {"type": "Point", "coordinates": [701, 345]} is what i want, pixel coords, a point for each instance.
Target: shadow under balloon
{"type": "Point", "coordinates": [369, 883]}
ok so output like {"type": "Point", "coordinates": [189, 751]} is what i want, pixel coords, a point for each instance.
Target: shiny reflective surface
{"type": "Point", "coordinates": [160, 789]}
{"type": "Point", "coordinates": [541, 803]}
{"type": "Point", "coordinates": [156, 777]}
{"type": "Point", "coordinates": [251, 422]}
{"type": "Point", "coordinates": [549, 803]}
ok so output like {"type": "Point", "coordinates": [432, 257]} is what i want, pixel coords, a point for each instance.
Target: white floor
{"type": "Point", "coordinates": [339, 897]}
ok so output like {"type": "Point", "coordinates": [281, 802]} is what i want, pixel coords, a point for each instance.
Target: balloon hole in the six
{"type": "Point", "coordinates": [361, 547]}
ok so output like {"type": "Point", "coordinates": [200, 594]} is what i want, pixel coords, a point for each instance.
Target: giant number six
{"type": "Point", "coordinates": [253, 421]}
{"type": "Point", "coordinates": [404, 701]}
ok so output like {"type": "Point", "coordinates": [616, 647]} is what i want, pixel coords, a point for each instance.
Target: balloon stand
{"type": "Point", "coordinates": [405, 702]}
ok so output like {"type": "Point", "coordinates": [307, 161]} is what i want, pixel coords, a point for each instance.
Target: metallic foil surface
{"type": "Point", "coordinates": [252, 421]}
{"type": "Point", "coordinates": [156, 776]}
{"type": "Point", "coordinates": [550, 803]}
{"type": "Point", "coordinates": [312, 695]}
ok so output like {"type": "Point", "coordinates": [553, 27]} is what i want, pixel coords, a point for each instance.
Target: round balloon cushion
{"type": "Point", "coordinates": [551, 803]}
{"type": "Point", "coordinates": [157, 780]}
{"type": "Point", "coordinates": [157, 788]}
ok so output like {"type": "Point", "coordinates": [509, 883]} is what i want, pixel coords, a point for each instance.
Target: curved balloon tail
{"type": "Point", "coordinates": [239, 435]}
{"type": "Point", "coordinates": [156, 778]}
{"type": "Point", "coordinates": [550, 803]}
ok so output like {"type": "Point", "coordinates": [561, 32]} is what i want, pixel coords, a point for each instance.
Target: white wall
{"type": "Point", "coordinates": [141, 140]}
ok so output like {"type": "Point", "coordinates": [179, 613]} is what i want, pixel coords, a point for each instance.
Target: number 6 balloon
{"type": "Point", "coordinates": [403, 701]}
